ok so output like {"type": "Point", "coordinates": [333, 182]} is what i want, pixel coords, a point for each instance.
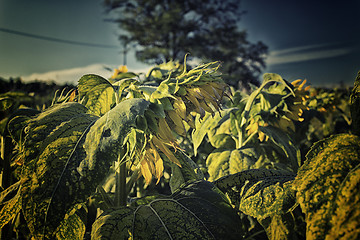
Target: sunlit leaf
{"type": "Point", "coordinates": [106, 136]}
{"type": "Point", "coordinates": [218, 164]}
{"type": "Point", "coordinates": [208, 123]}
{"type": "Point", "coordinates": [10, 209]}
{"type": "Point", "coordinates": [163, 91]}
{"type": "Point", "coordinates": [189, 171]}
{"type": "Point", "coordinates": [282, 140]}
{"type": "Point", "coordinates": [73, 225]}
{"type": "Point", "coordinates": [6, 103]}
{"type": "Point", "coordinates": [266, 195]}
{"type": "Point", "coordinates": [51, 185]}
{"type": "Point", "coordinates": [13, 99]}
{"type": "Point", "coordinates": [222, 162]}
{"type": "Point", "coordinates": [18, 121]}
{"type": "Point", "coordinates": [96, 93]}
{"type": "Point", "coordinates": [324, 190]}
{"type": "Point", "coordinates": [196, 211]}
{"type": "Point", "coordinates": [345, 219]}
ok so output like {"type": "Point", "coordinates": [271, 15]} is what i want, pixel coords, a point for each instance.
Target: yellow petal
{"type": "Point", "coordinates": [165, 131]}
{"type": "Point", "coordinates": [302, 84]}
{"type": "Point", "coordinates": [296, 82]}
{"type": "Point", "coordinates": [145, 171]}
{"type": "Point", "coordinates": [159, 144]}
{"type": "Point", "coordinates": [261, 136]}
{"type": "Point", "coordinates": [159, 165]}
{"type": "Point", "coordinates": [123, 69]}
{"type": "Point", "coordinates": [307, 88]}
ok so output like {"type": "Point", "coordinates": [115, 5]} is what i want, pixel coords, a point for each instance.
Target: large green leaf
{"type": "Point", "coordinates": [96, 93]}
{"type": "Point", "coordinates": [345, 220]}
{"type": "Point", "coordinates": [6, 103]}
{"type": "Point", "coordinates": [266, 195]}
{"type": "Point", "coordinates": [196, 211]}
{"type": "Point", "coordinates": [10, 208]}
{"type": "Point", "coordinates": [218, 164]}
{"type": "Point", "coordinates": [282, 140]}
{"type": "Point", "coordinates": [51, 185]}
{"type": "Point", "coordinates": [224, 162]}
{"type": "Point", "coordinates": [189, 171]}
{"type": "Point", "coordinates": [73, 225]}
{"type": "Point", "coordinates": [207, 124]}
{"type": "Point", "coordinates": [105, 138]}
{"type": "Point", "coordinates": [17, 123]}
{"type": "Point", "coordinates": [324, 190]}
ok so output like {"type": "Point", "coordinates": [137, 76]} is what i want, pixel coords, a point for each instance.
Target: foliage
{"type": "Point", "coordinates": [324, 190]}
{"type": "Point", "coordinates": [162, 31]}
{"type": "Point", "coordinates": [256, 131]}
{"type": "Point", "coordinates": [119, 131]}
{"type": "Point", "coordinates": [329, 113]}
{"type": "Point", "coordinates": [196, 211]}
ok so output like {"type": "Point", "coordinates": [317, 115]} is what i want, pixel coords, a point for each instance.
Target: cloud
{"type": "Point", "coordinates": [72, 75]}
{"type": "Point", "coordinates": [305, 53]}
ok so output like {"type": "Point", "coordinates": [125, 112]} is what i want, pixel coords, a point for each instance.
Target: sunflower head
{"type": "Point", "coordinates": [120, 69]}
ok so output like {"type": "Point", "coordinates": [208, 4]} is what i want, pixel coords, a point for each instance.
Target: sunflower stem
{"type": "Point", "coordinates": [121, 193]}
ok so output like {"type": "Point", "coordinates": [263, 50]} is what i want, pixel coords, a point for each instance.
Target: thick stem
{"type": "Point", "coordinates": [120, 192]}
{"type": "Point", "coordinates": [5, 156]}
{"type": "Point", "coordinates": [132, 180]}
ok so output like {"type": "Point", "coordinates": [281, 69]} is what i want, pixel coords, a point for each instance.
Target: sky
{"type": "Point", "coordinates": [314, 40]}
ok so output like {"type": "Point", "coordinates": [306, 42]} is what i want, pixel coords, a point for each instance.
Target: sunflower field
{"type": "Point", "coordinates": [178, 154]}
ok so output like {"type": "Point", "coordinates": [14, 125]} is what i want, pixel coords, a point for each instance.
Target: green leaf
{"type": "Point", "coordinates": [218, 164]}
{"type": "Point", "coordinates": [10, 208]}
{"type": "Point", "coordinates": [13, 100]}
{"type": "Point", "coordinates": [106, 136]}
{"type": "Point", "coordinates": [121, 85]}
{"type": "Point", "coordinates": [96, 93]}
{"type": "Point", "coordinates": [196, 211]}
{"type": "Point", "coordinates": [267, 77]}
{"type": "Point", "coordinates": [158, 109]}
{"type": "Point", "coordinates": [282, 140]}
{"type": "Point", "coordinates": [207, 124]}
{"type": "Point", "coordinates": [222, 140]}
{"type": "Point", "coordinates": [355, 106]}
{"type": "Point", "coordinates": [345, 220]}
{"type": "Point", "coordinates": [162, 91]}
{"type": "Point", "coordinates": [73, 225]}
{"type": "Point", "coordinates": [224, 162]}
{"type": "Point", "coordinates": [9, 192]}
{"type": "Point", "coordinates": [220, 136]}
{"type": "Point", "coordinates": [189, 171]}
{"type": "Point", "coordinates": [322, 184]}
{"type": "Point", "coordinates": [18, 121]}
{"type": "Point", "coordinates": [6, 103]}
{"type": "Point", "coordinates": [124, 76]}
{"type": "Point", "coordinates": [266, 195]}
{"type": "Point", "coordinates": [51, 184]}
{"type": "Point", "coordinates": [113, 224]}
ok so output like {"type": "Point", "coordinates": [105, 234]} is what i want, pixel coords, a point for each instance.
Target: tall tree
{"type": "Point", "coordinates": [164, 30]}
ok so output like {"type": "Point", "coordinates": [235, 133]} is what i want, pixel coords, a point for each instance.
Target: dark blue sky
{"type": "Point", "coordinates": [316, 40]}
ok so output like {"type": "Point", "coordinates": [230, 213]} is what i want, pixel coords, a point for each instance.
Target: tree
{"type": "Point", "coordinates": [164, 30]}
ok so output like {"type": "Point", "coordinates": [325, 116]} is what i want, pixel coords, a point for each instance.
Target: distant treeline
{"type": "Point", "coordinates": [37, 87]}
{"type": "Point", "coordinates": [40, 92]}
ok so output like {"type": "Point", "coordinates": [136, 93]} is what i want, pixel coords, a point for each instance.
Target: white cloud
{"type": "Point", "coordinates": [304, 53]}
{"type": "Point", "coordinates": [72, 75]}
